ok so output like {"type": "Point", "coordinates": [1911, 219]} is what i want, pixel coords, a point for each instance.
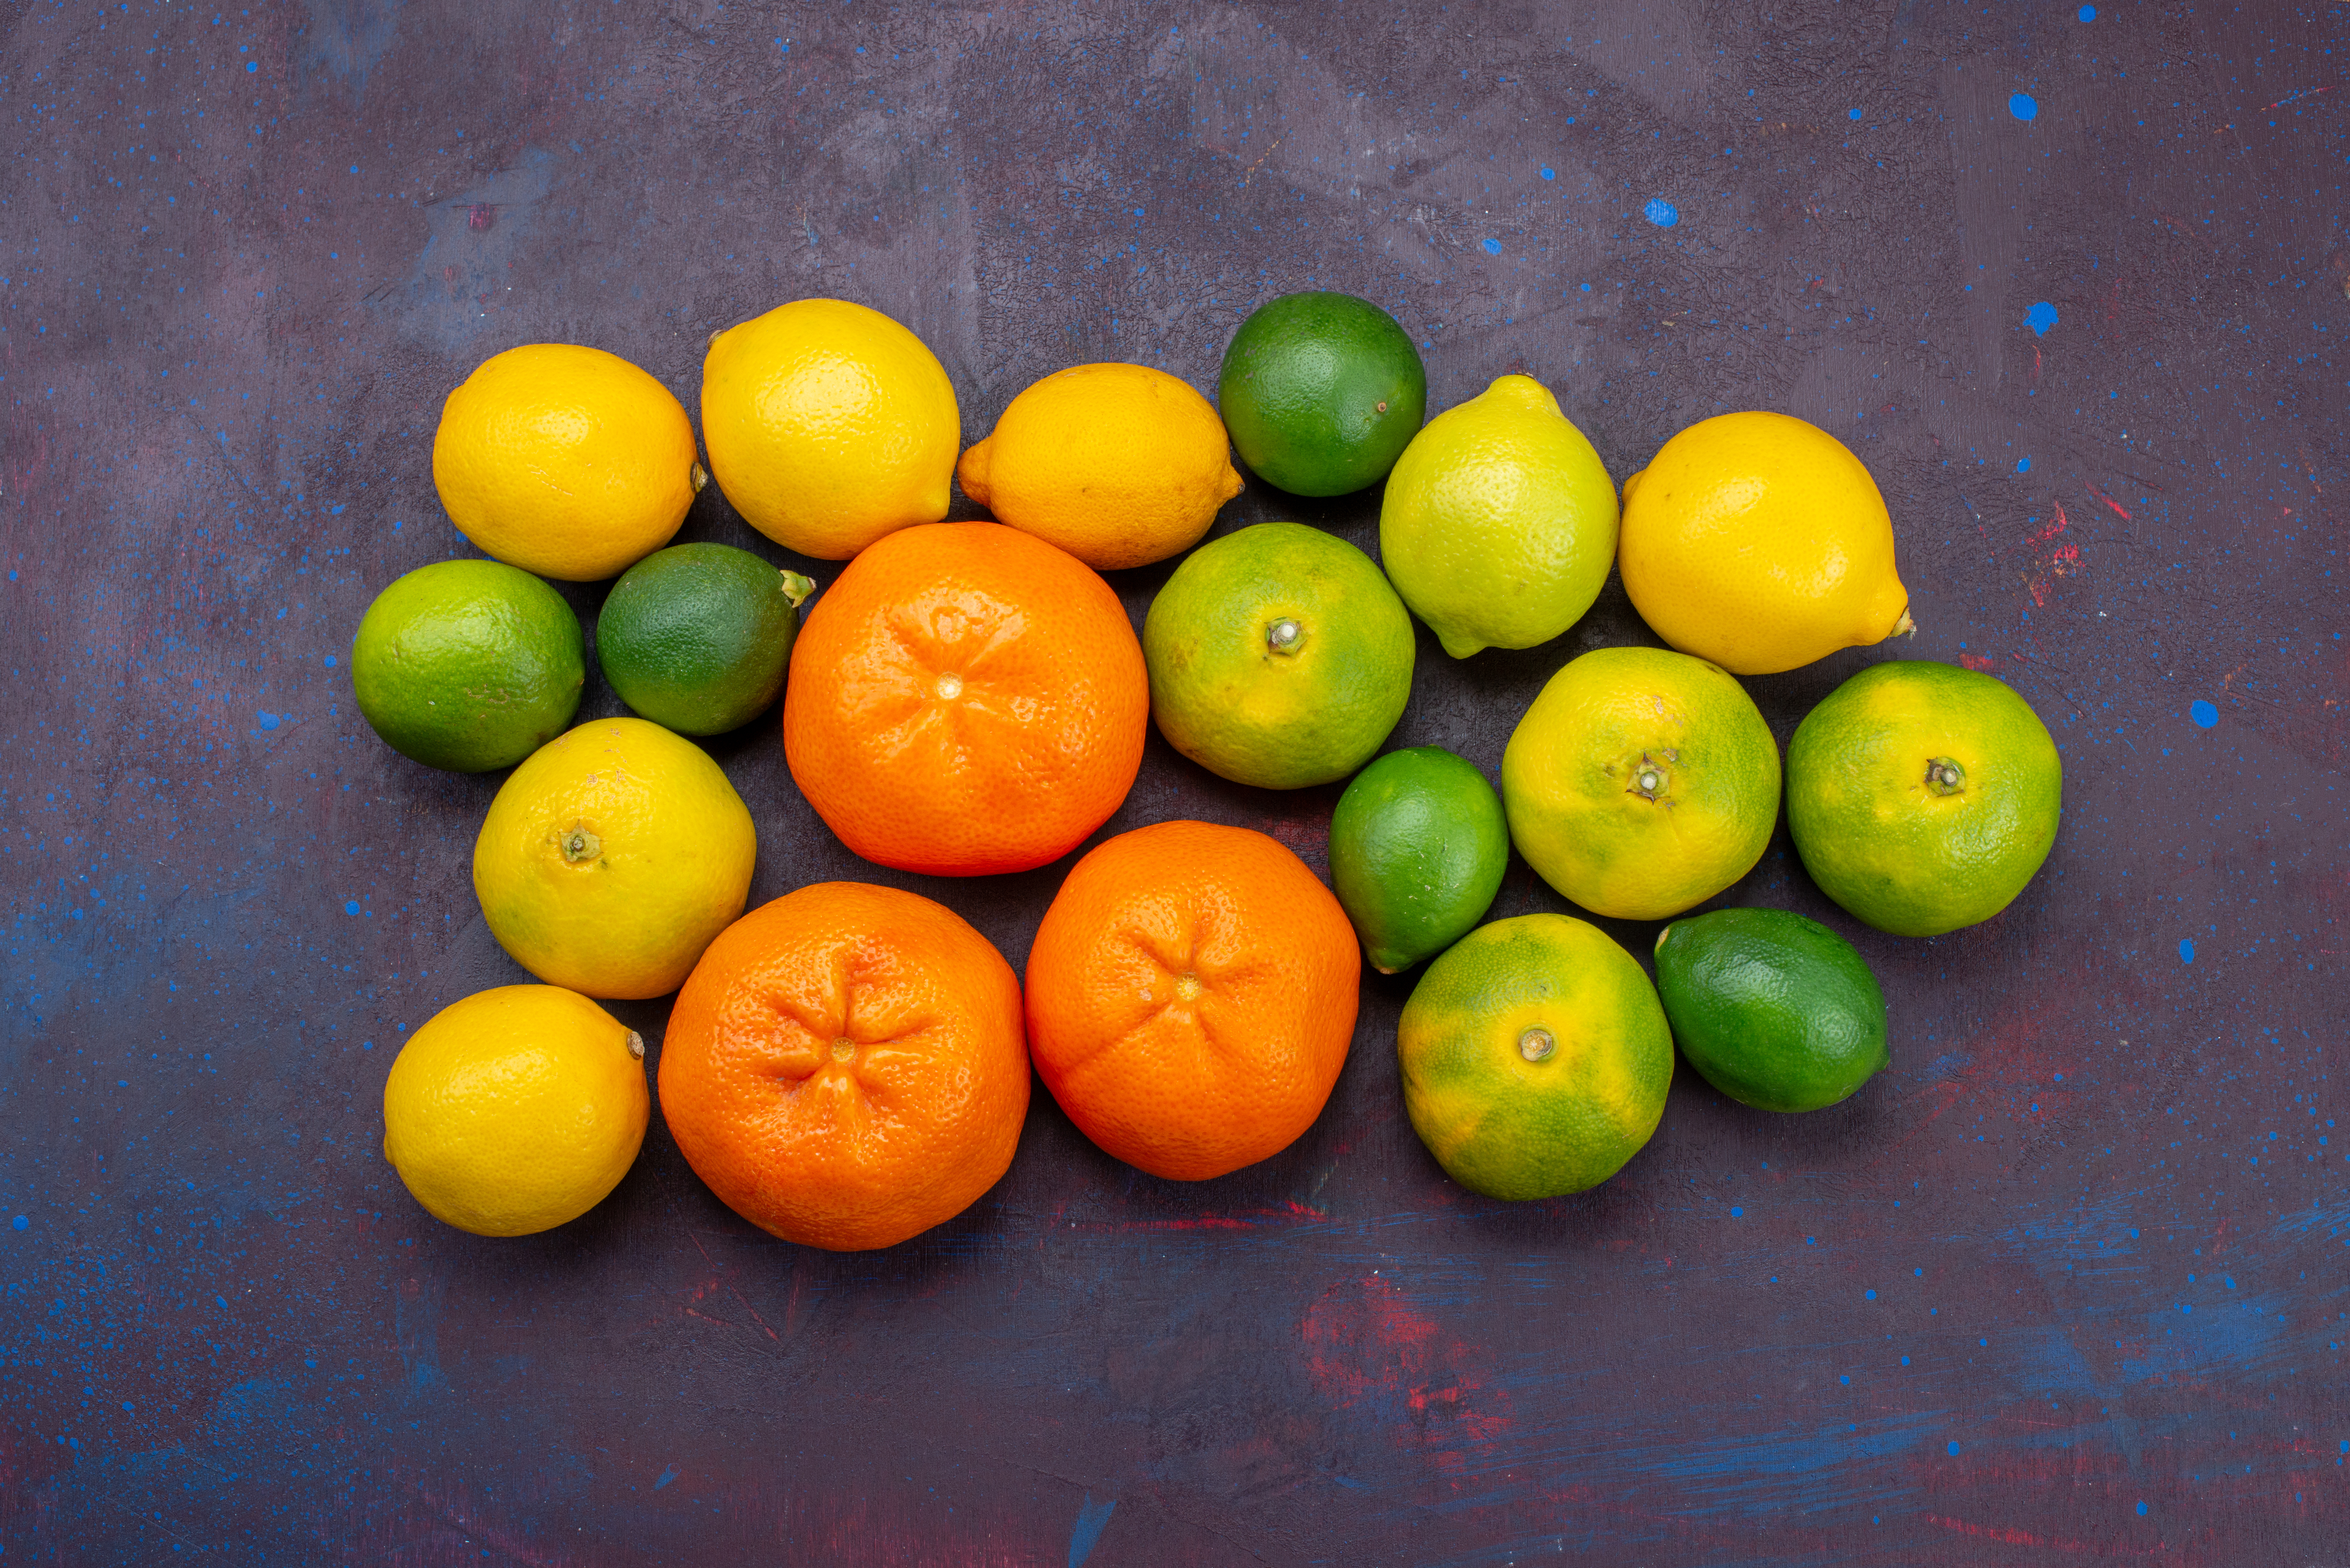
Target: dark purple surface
{"type": "Point", "coordinates": [2067, 1282]}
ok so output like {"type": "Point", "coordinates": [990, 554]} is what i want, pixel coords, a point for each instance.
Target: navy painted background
{"type": "Point", "coordinates": [2068, 1283]}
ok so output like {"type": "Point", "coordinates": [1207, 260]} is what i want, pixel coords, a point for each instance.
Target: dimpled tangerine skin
{"type": "Point", "coordinates": [965, 699]}
{"type": "Point", "coordinates": [829, 426]}
{"type": "Point", "coordinates": [845, 1068]}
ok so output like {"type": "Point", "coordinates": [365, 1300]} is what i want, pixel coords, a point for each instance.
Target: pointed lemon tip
{"type": "Point", "coordinates": [1632, 483]}
{"type": "Point", "coordinates": [1524, 392]}
{"type": "Point", "coordinates": [971, 472]}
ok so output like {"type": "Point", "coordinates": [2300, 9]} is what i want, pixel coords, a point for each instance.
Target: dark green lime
{"type": "Point", "coordinates": [1418, 845]}
{"type": "Point", "coordinates": [1322, 393]}
{"type": "Point", "coordinates": [1775, 1011]}
{"type": "Point", "coordinates": [697, 637]}
{"type": "Point", "coordinates": [468, 665]}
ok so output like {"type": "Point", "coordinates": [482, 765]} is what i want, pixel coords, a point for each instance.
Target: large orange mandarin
{"type": "Point", "coordinates": [966, 699]}
{"type": "Point", "coordinates": [1191, 997]}
{"type": "Point", "coordinates": [845, 1067]}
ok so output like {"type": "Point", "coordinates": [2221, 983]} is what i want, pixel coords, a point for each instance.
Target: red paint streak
{"type": "Point", "coordinates": [2110, 502]}
{"type": "Point", "coordinates": [1289, 1213]}
{"type": "Point", "coordinates": [1977, 661]}
{"type": "Point", "coordinates": [2054, 528]}
{"type": "Point", "coordinates": [2025, 1538]}
{"type": "Point", "coordinates": [1365, 1343]}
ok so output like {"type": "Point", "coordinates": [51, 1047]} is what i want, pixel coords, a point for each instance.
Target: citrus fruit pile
{"type": "Point", "coordinates": [848, 1066]}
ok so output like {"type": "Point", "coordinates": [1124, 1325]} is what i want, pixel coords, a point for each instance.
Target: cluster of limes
{"type": "Point", "coordinates": [849, 1065]}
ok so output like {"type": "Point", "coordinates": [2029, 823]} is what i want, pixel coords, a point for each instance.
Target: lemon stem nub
{"type": "Point", "coordinates": [1536, 1044]}
{"type": "Point", "coordinates": [1905, 626]}
{"type": "Point", "coordinates": [579, 846]}
{"type": "Point", "coordinates": [1944, 777]}
{"type": "Point", "coordinates": [1283, 636]}
{"type": "Point", "coordinates": [636, 1045]}
{"type": "Point", "coordinates": [700, 476]}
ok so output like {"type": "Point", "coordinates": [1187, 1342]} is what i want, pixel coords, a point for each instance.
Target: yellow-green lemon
{"type": "Point", "coordinates": [1120, 465]}
{"type": "Point", "coordinates": [828, 425]}
{"type": "Point", "coordinates": [1499, 521]}
{"type": "Point", "coordinates": [1640, 782]}
{"type": "Point", "coordinates": [1536, 1057]}
{"type": "Point", "coordinates": [1760, 542]}
{"type": "Point", "coordinates": [1279, 657]}
{"type": "Point", "coordinates": [611, 857]}
{"type": "Point", "coordinates": [1923, 797]}
{"type": "Point", "coordinates": [564, 461]}
{"type": "Point", "coordinates": [516, 1110]}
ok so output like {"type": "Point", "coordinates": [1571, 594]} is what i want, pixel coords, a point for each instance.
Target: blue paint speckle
{"type": "Point", "coordinates": [2024, 465]}
{"type": "Point", "coordinates": [1549, 172]}
{"type": "Point", "coordinates": [2187, 949]}
{"type": "Point", "coordinates": [19, 1224]}
{"type": "Point", "coordinates": [330, 661]}
{"type": "Point", "coordinates": [2024, 106]}
{"type": "Point", "coordinates": [667, 1475]}
{"type": "Point", "coordinates": [1493, 247]}
{"type": "Point", "coordinates": [1737, 1213]}
{"type": "Point", "coordinates": [1868, 1295]}
{"type": "Point", "coordinates": [2040, 318]}
{"type": "Point", "coordinates": [2087, 12]}
{"type": "Point", "coordinates": [266, 721]}
{"type": "Point", "coordinates": [2204, 714]}
{"type": "Point", "coordinates": [1092, 1518]}
{"type": "Point", "coordinates": [1661, 213]}
{"type": "Point", "coordinates": [1852, 114]}
{"type": "Point", "coordinates": [253, 65]}
{"type": "Point", "coordinates": [1954, 1451]}
{"type": "Point", "coordinates": [350, 906]}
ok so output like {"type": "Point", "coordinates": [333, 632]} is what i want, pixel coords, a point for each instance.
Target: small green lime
{"type": "Point", "coordinates": [1279, 657]}
{"type": "Point", "coordinates": [1535, 1057]}
{"type": "Point", "coordinates": [1321, 391]}
{"type": "Point", "coordinates": [1418, 845]}
{"type": "Point", "coordinates": [1775, 1011]}
{"type": "Point", "coordinates": [1922, 797]}
{"type": "Point", "coordinates": [697, 637]}
{"type": "Point", "coordinates": [468, 665]}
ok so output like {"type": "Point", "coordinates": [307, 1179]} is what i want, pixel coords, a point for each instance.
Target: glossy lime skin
{"type": "Point", "coordinates": [1308, 711]}
{"type": "Point", "coordinates": [468, 665]}
{"type": "Point", "coordinates": [1891, 836]}
{"type": "Point", "coordinates": [697, 637]}
{"type": "Point", "coordinates": [1775, 1009]}
{"type": "Point", "coordinates": [1535, 1057]}
{"type": "Point", "coordinates": [1322, 393]}
{"type": "Point", "coordinates": [1417, 846]}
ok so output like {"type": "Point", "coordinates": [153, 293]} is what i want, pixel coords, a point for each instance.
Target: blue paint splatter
{"type": "Point", "coordinates": [330, 661]}
{"type": "Point", "coordinates": [1852, 114]}
{"type": "Point", "coordinates": [2024, 465]}
{"type": "Point", "coordinates": [2089, 13]}
{"type": "Point", "coordinates": [1868, 1295]}
{"type": "Point", "coordinates": [2187, 949]}
{"type": "Point", "coordinates": [2203, 713]}
{"type": "Point", "coordinates": [1549, 172]}
{"type": "Point", "coordinates": [1954, 1451]}
{"type": "Point", "coordinates": [1661, 213]}
{"type": "Point", "coordinates": [667, 1475]}
{"type": "Point", "coordinates": [19, 1224]}
{"type": "Point", "coordinates": [1493, 247]}
{"type": "Point", "coordinates": [2024, 106]}
{"type": "Point", "coordinates": [1736, 1213]}
{"type": "Point", "coordinates": [1091, 1521]}
{"type": "Point", "coordinates": [350, 906]}
{"type": "Point", "coordinates": [2040, 318]}
{"type": "Point", "coordinates": [268, 720]}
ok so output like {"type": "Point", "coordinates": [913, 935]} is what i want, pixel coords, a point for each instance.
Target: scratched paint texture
{"type": "Point", "coordinates": [2066, 1281]}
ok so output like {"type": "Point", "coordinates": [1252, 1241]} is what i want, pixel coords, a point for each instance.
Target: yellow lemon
{"type": "Point", "coordinates": [1120, 465]}
{"type": "Point", "coordinates": [830, 425]}
{"type": "Point", "coordinates": [1761, 543]}
{"type": "Point", "coordinates": [515, 1109]}
{"type": "Point", "coordinates": [611, 857]}
{"type": "Point", "coordinates": [1642, 782]}
{"type": "Point", "coordinates": [564, 461]}
{"type": "Point", "coordinates": [1499, 521]}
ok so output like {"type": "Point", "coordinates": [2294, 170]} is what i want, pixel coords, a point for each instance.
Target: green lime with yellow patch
{"type": "Point", "coordinates": [1321, 391]}
{"type": "Point", "coordinates": [1536, 1057]}
{"type": "Point", "coordinates": [1642, 782]}
{"type": "Point", "coordinates": [1775, 1009]}
{"type": "Point", "coordinates": [468, 665]}
{"type": "Point", "coordinates": [1279, 657]}
{"type": "Point", "coordinates": [1923, 797]}
{"type": "Point", "coordinates": [698, 637]}
{"type": "Point", "coordinates": [1417, 846]}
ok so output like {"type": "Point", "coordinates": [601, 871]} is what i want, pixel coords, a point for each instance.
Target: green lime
{"type": "Point", "coordinates": [1642, 782]}
{"type": "Point", "coordinates": [1279, 657]}
{"type": "Point", "coordinates": [1321, 391]}
{"type": "Point", "coordinates": [1499, 522]}
{"type": "Point", "coordinates": [468, 665]}
{"type": "Point", "coordinates": [1775, 1011]}
{"type": "Point", "coordinates": [1536, 1057]}
{"type": "Point", "coordinates": [697, 637]}
{"type": "Point", "coordinates": [1922, 797]}
{"type": "Point", "coordinates": [1418, 845]}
